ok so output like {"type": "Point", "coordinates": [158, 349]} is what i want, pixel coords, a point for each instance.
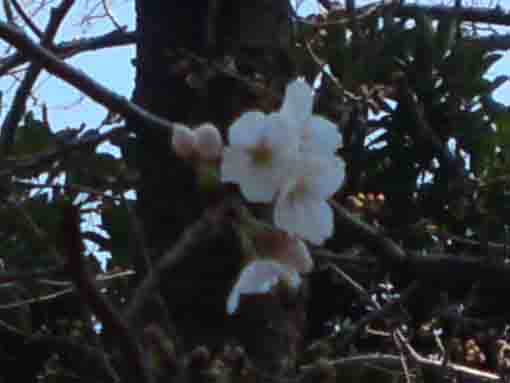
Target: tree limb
{"type": "Point", "coordinates": [110, 100]}
{"type": "Point", "coordinates": [107, 314]}
{"type": "Point", "coordinates": [67, 49]}
{"type": "Point", "coordinates": [494, 16]}
{"type": "Point", "coordinates": [11, 121]}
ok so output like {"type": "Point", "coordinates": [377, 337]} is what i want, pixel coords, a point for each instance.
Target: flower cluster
{"type": "Point", "coordinates": [289, 158]}
{"type": "Point", "coordinates": [286, 158]}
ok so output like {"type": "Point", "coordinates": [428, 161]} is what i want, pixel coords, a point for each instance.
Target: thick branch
{"type": "Point", "coordinates": [110, 100]}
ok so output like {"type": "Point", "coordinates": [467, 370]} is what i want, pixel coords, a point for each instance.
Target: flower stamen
{"type": "Point", "coordinates": [261, 154]}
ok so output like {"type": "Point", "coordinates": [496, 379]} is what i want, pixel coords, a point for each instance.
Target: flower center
{"type": "Point", "coordinates": [298, 192]}
{"type": "Point", "coordinates": [261, 154]}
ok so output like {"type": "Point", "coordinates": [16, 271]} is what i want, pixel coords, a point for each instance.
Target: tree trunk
{"type": "Point", "coordinates": [171, 84]}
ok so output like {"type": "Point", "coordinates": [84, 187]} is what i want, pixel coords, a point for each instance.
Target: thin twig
{"type": "Point", "coordinates": [202, 230]}
{"type": "Point", "coordinates": [374, 237]}
{"type": "Point", "coordinates": [68, 49]}
{"type": "Point", "coordinates": [98, 303]}
{"type": "Point", "coordinates": [108, 12]}
{"type": "Point", "coordinates": [27, 19]}
{"type": "Point", "coordinates": [452, 367]}
{"type": "Point", "coordinates": [11, 121]}
{"type": "Point", "coordinates": [67, 290]}
{"type": "Point", "coordinates": [69, 187]}
{"type": "Point", "coordinates": [39, 160]}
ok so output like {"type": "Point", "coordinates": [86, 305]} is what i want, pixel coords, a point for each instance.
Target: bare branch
{"type": "Point", "coordinates": [494, 16]}
{"type": "Point", "coordinates": [17, 110]}
{"type": "Point", "coordinates": [104, 310]}
{"type": "Point", "coordinates": [110, 100]}
{"type": "Point", "coordinates": [40, 160]}
{"type": "Point", "coordinates": [27, 19]}
{"type": "Point", "coordinates": [203, 230]}
{"type": "Point", "coordinates": [70, 48]}
{"type": "Point", "coordinates": [375, 239]}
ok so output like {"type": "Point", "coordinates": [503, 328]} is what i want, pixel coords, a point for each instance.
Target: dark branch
{"type": "Point", "coordinates": [85, 284]}
{"type": "Point", "coordinates": [112, 101]}
{"type": "Point", "coordinates": [494, 16]}
{"type": "Point", "coordinates": [17, 110]}
{"type": "Point", "coordinates": [203, 230]}
{"type": "Point", "coordinates": [80, 356]}
{"type": "Point", "coordinates": [67, 49]}
{"type": "Point", "coordinates": [27, 19]}
{"type": "Point", "coordinates": [38, 161]}
{"type": "Point", "coordinates": [374, 238]}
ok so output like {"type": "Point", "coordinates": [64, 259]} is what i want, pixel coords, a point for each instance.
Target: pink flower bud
{"type": "Point", "coordinates": [184, 141]}
{"type": "Point", "coordinates": [209, 142]}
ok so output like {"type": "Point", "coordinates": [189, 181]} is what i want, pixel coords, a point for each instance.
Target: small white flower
{"type": "Point", "coordinates": [260, 152]}
{"type": "Point", "coordinates": [209, 142]}
{"type": "Point", "coordinates": [301, 208]}
{"type": "Point", "coordinates": [318, 135]}
{"type": "Point", "coordinates": [259, 277]}
{"type": "Point", "coordinates": [184, 141]}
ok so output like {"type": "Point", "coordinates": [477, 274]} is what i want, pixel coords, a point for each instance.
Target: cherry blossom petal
{"type": "Point", "coordinates": [281, 135]}
{"type": "Point", "coordinates": [247, 129]}
{"type": "Point", "coordinates": [321, 136]}
{"type": "Point", "coordinates": [258, 184]}
{"type": "Point", "coordinates": [309, 218]}
{"type": "Point", "coordinates": [235, 161]}
{"type": "Point", "coordinates": [298, 103]}
{"type": "Point", "coordinates": [259, 277]}
{"type": "Point", "coordinates": [324, 175]}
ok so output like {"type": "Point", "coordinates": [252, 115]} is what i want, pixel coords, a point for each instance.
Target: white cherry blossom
{"type": "Point", "coordinates": [318, 135]}
{"type": "Point", "coordinates": [301, 208]}
{"type": "Point", "coordinates": [260, 153]}
{"type": "Point", "coordinates": [259, 277]}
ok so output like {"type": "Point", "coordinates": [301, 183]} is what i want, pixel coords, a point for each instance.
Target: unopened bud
{"type": "Point", "coordinates": [184, 141]}
{"type": "Point", "coordinates": [209, 142]}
